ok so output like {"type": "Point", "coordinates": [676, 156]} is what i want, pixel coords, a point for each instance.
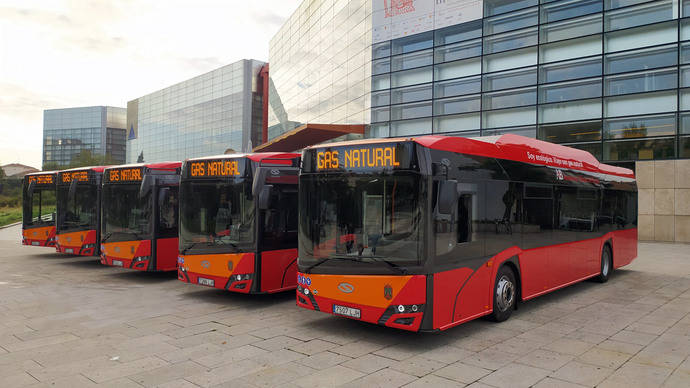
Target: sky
{"type": "Point", "coordinates": [60, 54]}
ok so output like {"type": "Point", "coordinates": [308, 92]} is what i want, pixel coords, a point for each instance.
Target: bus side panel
{"type": "Point", "coordinates": [534, 271]}
{"type": "Point", "coordinates": [447, 284]}
{"type": "Point", "coordinates": [278, 270]}
{"type": "Point", "coordinates": [624, 247]}
{"type": "Point", "coordinates": [560, 261]}
{"type": "Point", "coordinates": [475, 297]}
{"type": "Point", "coordinates": [166, 254]}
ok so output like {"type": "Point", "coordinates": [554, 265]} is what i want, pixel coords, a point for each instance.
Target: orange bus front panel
{"type": "Point", "coordinates": [77, 243]}
{"type": "Point", "coordinates": [127, 254]}
{"type": "Point", "coordinates": [229, 271]}
{"type": "Point", "coordinates": [394, 301]}
{"type": "Point", "coordinates": [39, 237]}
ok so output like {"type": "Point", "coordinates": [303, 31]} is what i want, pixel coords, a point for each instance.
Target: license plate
{"type": "Point", "coordinates": [117, 263]}
{"type": "Point", "coordinates": [347, 311]}
{"type": "Point", "coordinates": [69, 250]}
{"type": "Point", "coordinates": [206, 282]}
{"type": "Point", "coordinates": [35, 243]}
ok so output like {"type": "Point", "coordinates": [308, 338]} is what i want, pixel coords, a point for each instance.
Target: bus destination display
{"type": "Point", "coordinates": [79, 176]}
{"type": "Point", "coordinates": [215, 168]}
{"type": "Point", "coordinates": [369, 157]}
{"type": "Point", "coordinates": [42, 179]}
{"type": "Point", "coordinates": [134, 174]}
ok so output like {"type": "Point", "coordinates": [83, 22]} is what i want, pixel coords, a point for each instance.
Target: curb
{"type": "Point", "coordinates": [10, 225]}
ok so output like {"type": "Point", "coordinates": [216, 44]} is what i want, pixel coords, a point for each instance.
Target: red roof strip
{"type": "Point", "coordinates": [524, 149]}
{"type": "Point", "coordinates": [92, 168]}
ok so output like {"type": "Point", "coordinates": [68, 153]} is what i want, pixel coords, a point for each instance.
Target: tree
{"type": "Point", "coordinates": [51, 166]}
{"type": "Point", "coordinates": [86, 158]}
{"type": "Point", "coordinates": [2, 174]}
{"type": "Point", "coordinates": [140, 159]}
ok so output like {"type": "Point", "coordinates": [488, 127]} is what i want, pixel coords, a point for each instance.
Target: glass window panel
{"type": "Point", "coordinates": [380, 50]}
{"type": "Point", "coordinates": [574, 48]}
{"type": "Point", "coordinates": [641, 82]}
{"type": "Point", "coordinates": [640, 149]}
{"type": "Point", "coordinates": [646, 126]}
{"type": "Point", "coordinates": [410, 127]}
{"type": "Point", "coordinates": [571, 132]}
{"type": "Point", "coordinates": [457, 87]}
{"type": "Point", "coordinates": [640, 104]}
{"type": "Point", "coordinates": [412, 43]}
{"type": "Point", "coordinates": [641, 59]}
{"type": "Point", "coordinates": [685, 28]}
{"type": "Point", "coordinates": [511, 59]}
{"type": "Point", "coordinates": [495, 7]}
{"type": "Point", "coordinates": [378, 130]}
{"type": "Point", "coordinates": [381, 66]}
{"type": "Point", "coordinates": [380, 82]}
{"type": "Point", "coordinates": [522, 131]}
{"type": "Point", "coordinates": [592, 148]}
{"type": "Point", "coordinates": [412, 60]}
{"type": "Point", "coordinates": [458, 33]}
{"type": "Point", "coordinates": [411, 111]}
{"type": "Point", "coordinates": [411, 77]}
{"type": "Point", "coordinates": [458, 69]}
{"type": "Point", "coordinates": [641, 36]}
{"type": "Point", "coordinates": [510, 41]}
{"type": "Point", "coordinates": [685, 99]}
{"type": "Point", "coordinates": [510, 79]}
{"type": "Point", "coordinates": [463, 122]}
{"type": "Point", "coordinates": [457, 105]}
{"type": "Point", "coordinates": [509, 117]}
{"type": "Point", "coordinates": [563, 71]}
{"type": "Point", "coordinates": [685, 52]}
{"type": "Point", "coordinates": [513, 21]}
{"type": "Point", "coordinates": [510, 98]}
{"type": "Point", "coordinates": [570, 111]}
{"type": "Point", "coordinates": [573, 90]}
{"type": "Point", "coordinates": [411, 94]}
{"type": "Point", "coordinates": [612, 4]}
{"type": "Point", "coordinates": [686, 8]}
{"type": "Point", "coordinates": [684, 147]}
{"type": "Point", "coordinates": [380, 114]}
{"type": "Point", "coordinates": [568, 9]}
{"type": "Point", "coordinates": [380, 98]}
{"type": "Point", "coordinates": [644, 14]}
{"type": "Point", "coordinates": [457, 51]}
{"type": "Point", "coordinates": [568, 29]}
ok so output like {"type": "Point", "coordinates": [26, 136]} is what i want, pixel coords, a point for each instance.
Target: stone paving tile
{"type": "Point", "coordinates": [277, 376]}
{"type": "Point", "coordinates": [434, 381]}
{"type": "Point", "coordinates": [637, 375]}
{"type": "Point", "coordinates": [417, 366]}
{"type": "Point", "coordinates": [515, 375]}
{"type": "Point", "coordinates": [555, 383]}
{"type": "Point", "coordinates": [124, 369]}
{"type": "Point", "coordinates": [581, 373]}
{"type": "Point", "coordinates": [545, 359]}
{"type": "Point", "coordinates": [323, 360]}
{"type": "Point", "coordinates": [383, 378]}
{"type": "Point", "coordinates": [447, 354]}
{"type": "Point", "coordinates": [337, 375]}
{"type": "Point", "coordinates": [463, 373]}
{"type": "Point", "coordinates": [229, 356]}
{"type": "Point", "coordinates": [225, 373]}
{"type": "Point", "coordinates": [603, 357]}
{"type": "Point", "coordinates": [167, 373]}
{"type": "Point", "coordinates": [369, 363]}
{"type": "Point", "coordinates": [312, 347]}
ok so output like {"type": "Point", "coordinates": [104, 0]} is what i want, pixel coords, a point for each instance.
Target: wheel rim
{"type": "Point", "coordinates": [505, 293]}
{"type": "Point", "coordinates": [606, 264]}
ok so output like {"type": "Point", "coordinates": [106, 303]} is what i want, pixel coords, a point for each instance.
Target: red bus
{"type": "Point", "coordinates": [38, 205]}
{"type": "Point", "coordinates": [79, 210]}
{"type": "Point", "coordinates": [426, 233]}
{"type": "Point", "coordinates": [140, 216]}
{"type": "Point", "coordinates": [238, 222]}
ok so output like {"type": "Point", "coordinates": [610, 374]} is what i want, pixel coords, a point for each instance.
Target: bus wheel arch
{"type": "Point", "coordinates": [606, 262]}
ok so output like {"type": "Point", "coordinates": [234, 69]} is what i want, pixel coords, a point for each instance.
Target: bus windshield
{"type": "Point", "coordinates": [371, 220]}
{"type": "Point", "coordinates": [126, 215]}
{"type": "Point", "coordinates": [216, 216]}
{"type": "Point", "coordinates": [80, 211]}
{"type": "Point", "coordinates": [39, 208]}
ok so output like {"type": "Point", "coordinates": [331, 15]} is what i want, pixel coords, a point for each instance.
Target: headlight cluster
{"type": "Point", "coordinates": [88, 246]}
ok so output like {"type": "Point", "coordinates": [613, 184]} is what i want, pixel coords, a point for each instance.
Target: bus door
{"type": "Point", "coordinates": [166, 223]}
{"type": "Point", "coordinates": [277, 190]}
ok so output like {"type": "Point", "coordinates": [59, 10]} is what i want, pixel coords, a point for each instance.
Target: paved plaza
{"type": "Point", "coordinates": [71, 322]}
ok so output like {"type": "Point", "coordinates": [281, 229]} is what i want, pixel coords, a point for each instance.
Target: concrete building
{"type": "Point", "coordinates": [205, 115]}
{"type": "Point", "coordinates": [98, 129]}
{"type": "Point", "coordinates": [17, 170]}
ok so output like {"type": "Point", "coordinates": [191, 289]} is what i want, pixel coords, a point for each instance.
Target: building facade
{"type": "Point", "coordinates": [97, 129]}
{"type": "Point", "coordinates": [606, 76]}
{"type": "Point", "coordinates": [206, 115]}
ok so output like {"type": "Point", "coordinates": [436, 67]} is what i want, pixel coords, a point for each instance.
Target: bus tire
{"type": "Point", "coordinates": [606, 265]}
{"type": "Point", "coordinates": [504, 294]}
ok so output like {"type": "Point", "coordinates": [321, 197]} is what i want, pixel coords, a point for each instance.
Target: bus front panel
{"type": "Point", "coordinates": [38, 210]}
{"type": "Point", "coordinates": [226, 271]}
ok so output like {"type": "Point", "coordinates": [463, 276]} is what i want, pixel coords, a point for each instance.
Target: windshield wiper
{"type": "Point", "coordinates": [392, 265]}
{"type": "Point", "coordinates": [188, 247]}
{"type": "Point", "coordinates": [351, 258]}
{"type": "Point", "coordinates": [106, 237]}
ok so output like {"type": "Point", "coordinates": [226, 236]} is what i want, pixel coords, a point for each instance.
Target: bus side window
{"type": "Point", "coordinates": [167, 212]}
{"type": "Point", "coordinates": [280, 222]}
{"type": "Point", "coordinates": [464, 219]}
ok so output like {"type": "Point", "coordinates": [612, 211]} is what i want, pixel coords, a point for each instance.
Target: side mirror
{"type": "Point", "coordinates": [264, 200]}
{"type": "Point", "coordinates": [447, 196]}
{"type": "Point", "coordinates": [72, 189]}
{"type": "Point", "coordinates": [146, 185]}
{"type": "Point", "coordinates": [30, 189]}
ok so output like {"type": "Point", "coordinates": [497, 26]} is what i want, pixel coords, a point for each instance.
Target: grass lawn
{"type": "Point", "coordinates": [10, 215]}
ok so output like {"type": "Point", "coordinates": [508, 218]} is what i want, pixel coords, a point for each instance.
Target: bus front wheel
{"type": "Point", "coordinates": [505, 294]}
{"type": "Point", "coordinates": [606, 265]}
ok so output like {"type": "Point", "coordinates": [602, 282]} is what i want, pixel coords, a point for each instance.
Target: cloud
{"type": "Point", "coordinates": [268, 18]}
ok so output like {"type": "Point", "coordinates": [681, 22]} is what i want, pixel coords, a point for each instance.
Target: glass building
{"type": "Point", "coordinates": [206, 115]}
{"type": "Point", "coordinates": [606, 76]}
{"type": "Point", "coordinates": [98, 129]}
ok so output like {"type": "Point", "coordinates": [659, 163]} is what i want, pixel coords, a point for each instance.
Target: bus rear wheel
{"type": "Point", "coordinates": [505, 294]}
{"type": "Point", "coordinates": [606, 265]}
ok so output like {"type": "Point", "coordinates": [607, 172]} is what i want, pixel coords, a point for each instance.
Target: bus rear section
{"type": "Point", "coordinates": [79, 211]}
{"type": "Point", "coordinates": [426, 233]}
{"type": "Point", "coordinates": [139, 226]}
{"type": "Point", "coordinates": [238, 222]}
{"type": "Point", "coordinates": [38, 209]}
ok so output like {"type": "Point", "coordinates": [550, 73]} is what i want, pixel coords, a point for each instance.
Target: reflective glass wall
{"type": "Point", "coordinates": [607, 76]}
{"type": "Point", "coordinates": [320, 66]}
{"type": "Point", "coordinates": [205, 115]}
{"type": "Point", "coordinates": [98, 129]}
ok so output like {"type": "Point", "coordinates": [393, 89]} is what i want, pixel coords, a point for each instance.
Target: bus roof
{"type": "Point", "coordinates": [152, 166]}
{"type": "Point", "coordinates": [508, 146]}
{"type": "Point", "coordinates": [257, 156]}
{"type": "Point", "coordinates": [41, 173]}
{"type": "Point", "coordinates": [92, 168]}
